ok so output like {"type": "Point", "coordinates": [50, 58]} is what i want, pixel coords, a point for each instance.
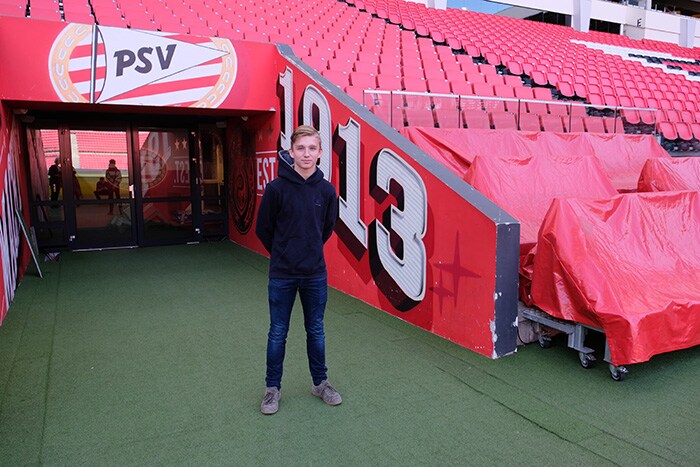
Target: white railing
{"type": "Point", "coordinates": [389, 105]}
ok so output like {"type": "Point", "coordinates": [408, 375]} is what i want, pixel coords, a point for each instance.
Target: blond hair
{"type": "Point", "coordinates": [306, 130]}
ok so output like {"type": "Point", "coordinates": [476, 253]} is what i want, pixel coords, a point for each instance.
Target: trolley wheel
{"type": "Point", "coordinates": [618, 373]}
{"type": "Point", "coordinates": [587, 360]}
{"type": "Point", "coordinates": [544, 341]}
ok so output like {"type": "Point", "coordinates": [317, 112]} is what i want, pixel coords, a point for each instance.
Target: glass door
{"type": "Point", "coordinates": [96, 180]}
{"type": "Point", "coordinates": [210, 182]}
{"type": "Point", "coordinates": [168, 211]}
{"type": "Point", "coordinates": [45, 168]}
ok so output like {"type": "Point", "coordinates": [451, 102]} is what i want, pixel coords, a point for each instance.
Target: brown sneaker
{"type": "Point", "coordinates": [271, 401]}
{"type": "Point", "coordinates": [326, 392]}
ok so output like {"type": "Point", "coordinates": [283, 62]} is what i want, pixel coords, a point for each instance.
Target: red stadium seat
{"type": "Point", "coordinates": [495, 80]}
{"type": "Point", "coordinates": [447, 118]}
{"type": "Point", "coordinates": [529, 122]}
{"type": "Point", "coordinates": [515, 67]}
{"type": "Point", "coordinates": [573, 124]}
{"type": "Point", "coordinates": [695, 127]}
{"type": "Point", "coordinates": [495, 105]}
{"type": "Point", "coordinates": [450, 65]}
{"type": "Point", "coordinates": [366, 67]}
{"type": "Point", "coordinates": [485, 69]}
{"type": "Point", "coordinates": [389, 82]}
{"type": "Point", "coordinates": [433, 72]}
{"type": "Point", "coordinates": [419, 117]}
{"type": "Point", "coordinates": [684, 131]}
{"type": "Point", "coordinates": [613, 125]}
{"type": "Point", "coordinates": [552, 123]}
{"type": "Point", "coordinates": [539, 77]}
{"type": "Point", "coordinates": [503, 121]}
{"type": "Point", "coordinates": [455, 75]}
{"type": "Point", "coordinates": [475, 78]}
{"type": "Point", "coordinates": [414, 84]}
{"type": "Point", "coordinates": [524, 93]}
{"type": "Point", "coordinates": [338, 78]}
{"type": "Point", "coordinates": [13, 9]}
{"type": "Point", "coordinates": [462, 88]}
{"type": "Point", "coordinates": [668, 130]}
{"type": "Point", "coordinates": [513, 81]}
{"type": "Point", "coordinates": [503, 90]}
{"type": "Point", "coordinates": [542, 94]}
{"type": "Point", "coordinates": [558, 109]}
{"type": "Point", "coordinates": [594, 124]}
{"type": "Point", "coordinates": [687, 116]}
{"type": "Point", "coordinates": [419, 101]}
{"type": "Point", "coordinates": [577, 110]}
{"type": "Point", "coordinates": [672, 116]}
{"type": "Point", "coordinates": [354, 92]}
{"type": "Point", "coordinates": [439, 86]}
{"type": "Point", "coordinates": [394, 119]}
{"type": "Point", "coordinates": [476, 119]}
{"type": "Point", "coordinates": [483, 89]}
{"type": "Point", "coordinates": [566, 89]}
{"type": "Point", "coordinates": [632, 116]}
{"type": "Point", "coordinates": [363, 80]}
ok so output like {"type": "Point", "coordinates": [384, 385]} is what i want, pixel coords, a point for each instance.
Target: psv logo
{"type": "Point", "coordinates": [99, 64]}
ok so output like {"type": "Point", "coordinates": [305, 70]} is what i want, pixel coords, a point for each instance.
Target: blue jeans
{"type": "Point", "coordinates": [282, 293]}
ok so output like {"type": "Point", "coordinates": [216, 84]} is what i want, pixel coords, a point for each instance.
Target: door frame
{"type": "Point", "coordinates": [195, 127]}
{"type": "Point", "coordinates": [140, 200]}
{"type": "Point", "coordinates": [71, 204]}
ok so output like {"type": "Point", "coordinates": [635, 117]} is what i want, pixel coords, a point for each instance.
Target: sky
{"type": "Point", "coordinates": [482, 6]}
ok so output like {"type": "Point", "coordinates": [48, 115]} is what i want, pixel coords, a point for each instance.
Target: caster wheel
{"type": "Point", "coordinates": [587, 360]}
{"type": "Point", "coordinates": [545, 341]}
{"type": "Point", "coordinates": [618, 373]}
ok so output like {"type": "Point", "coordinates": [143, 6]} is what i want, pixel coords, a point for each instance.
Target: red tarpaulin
{"type": "Point", "coordinates": [621, 156]}
{"type": "Point", "coordinates": [629, 265]}
{"type": "Point", "coordinates": [526, 187]}
{"type": "Point", "coordinates": [680, 174]}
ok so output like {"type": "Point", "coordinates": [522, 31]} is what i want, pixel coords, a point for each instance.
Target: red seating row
{"type": "Point", "coordinates": [481, 119]}
{"type": "Point", "coordinates": [676, 130]}
{"type": "Point", "coordinates": [549, 56]}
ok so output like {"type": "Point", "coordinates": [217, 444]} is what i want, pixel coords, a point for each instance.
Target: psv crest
{"type": "Point", "coordinates": [100, 64]}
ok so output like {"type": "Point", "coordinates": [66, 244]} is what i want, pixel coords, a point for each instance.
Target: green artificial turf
{"type": "Point", "coordinates": [157, 356]}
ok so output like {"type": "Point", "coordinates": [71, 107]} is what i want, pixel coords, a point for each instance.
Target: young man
{"type": "Point", "coordinates": [55, 179]}
{"type": "Point", "coordinates": [296, 217]}
{"type": "Point", "coordinates": [114, 178]}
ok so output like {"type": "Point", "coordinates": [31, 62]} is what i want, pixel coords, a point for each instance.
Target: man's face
{"type": "Point", "coordinates": [306, 151]}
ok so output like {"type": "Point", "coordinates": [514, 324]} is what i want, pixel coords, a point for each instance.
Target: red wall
{"type": "Point", "coordinates": [14, 253]}
{"type": "Point", "coordinates": [458, 274]}
{"type": "Point", "coordinates": [413, 239]}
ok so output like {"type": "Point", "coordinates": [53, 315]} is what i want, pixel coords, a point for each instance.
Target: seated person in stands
{"type": "Point", "coordinates": [102, 188]}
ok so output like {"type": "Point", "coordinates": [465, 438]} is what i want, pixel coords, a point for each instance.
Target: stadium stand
{"type": "Point", "coordinates": [527, 80]}
{"type": "Point", "coordinates": [604, 69]}
{"type": "Point", "coordinates": [346, 39]}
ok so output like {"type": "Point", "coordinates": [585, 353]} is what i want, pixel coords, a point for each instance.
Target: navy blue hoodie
{"type": "Point", "coordinates": [295, 218]}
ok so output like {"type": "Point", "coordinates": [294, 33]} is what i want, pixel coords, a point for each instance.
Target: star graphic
{"type": "Point", "coordinates": [456, 270]}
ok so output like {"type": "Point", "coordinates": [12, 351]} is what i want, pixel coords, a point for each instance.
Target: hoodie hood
{"type": "Point", "coordinates": [285, 169]}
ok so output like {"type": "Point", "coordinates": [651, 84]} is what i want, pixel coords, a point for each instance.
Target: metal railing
{"type": "Point", "coordinates": [390, 106]}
